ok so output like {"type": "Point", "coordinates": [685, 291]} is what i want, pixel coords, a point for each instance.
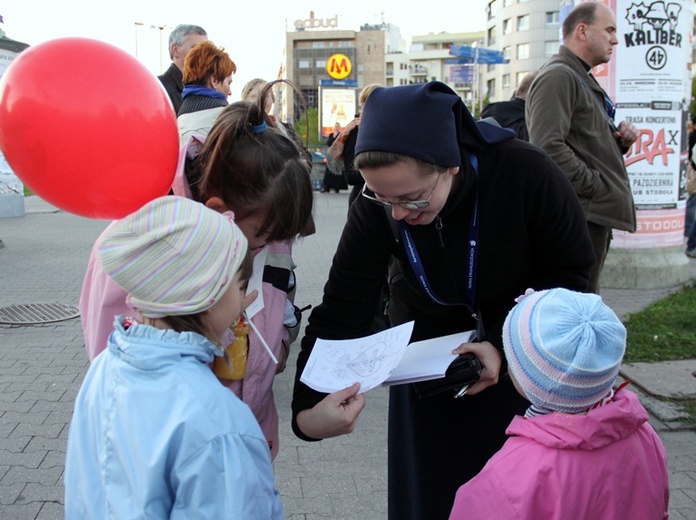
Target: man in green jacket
{"type": "Point", "coordinates": [571, 117]}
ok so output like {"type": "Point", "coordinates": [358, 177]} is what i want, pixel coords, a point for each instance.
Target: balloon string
{"type": "Point", "coordinates": [263, 341]}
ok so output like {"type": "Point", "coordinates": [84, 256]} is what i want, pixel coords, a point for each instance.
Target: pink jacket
{"type": "Point", "coordinates": [102, 299]}
{"type": "Point", "coordinates": [609, 464]}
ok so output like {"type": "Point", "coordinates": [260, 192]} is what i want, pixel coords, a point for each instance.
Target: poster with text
{"type": "Point", "coordinates": [654, 161]}
{"type": "Point", "coordinates": [654, 49]}
{"type": "Point", "coordinates": [338, 105]}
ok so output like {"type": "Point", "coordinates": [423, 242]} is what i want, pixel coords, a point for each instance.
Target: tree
{"type": "Point", "coordinates": [309, 133]}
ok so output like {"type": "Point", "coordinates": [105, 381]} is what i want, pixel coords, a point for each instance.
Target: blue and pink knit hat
{"type": "Point", "coordinates": [564, 348]}
{"type": "Point", "coordinates": [173, 256]}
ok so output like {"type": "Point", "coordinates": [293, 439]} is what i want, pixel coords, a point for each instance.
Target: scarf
{"type": "Point", "coordinates": [202, 91]}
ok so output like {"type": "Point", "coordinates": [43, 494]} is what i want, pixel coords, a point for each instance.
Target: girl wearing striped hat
{"type": "Point", "coordinates": [154, 433]}
{"type": "Point", "coordinates": [583, 449]}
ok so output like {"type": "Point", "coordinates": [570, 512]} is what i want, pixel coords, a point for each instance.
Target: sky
{"type": "Point", "coordinates": [252, 32]}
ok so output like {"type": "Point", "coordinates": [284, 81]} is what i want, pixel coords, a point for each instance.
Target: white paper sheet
{"type": "Point", "coordinates": [336, 364]}
{"type": "Point", "coordinates": [427, 359]}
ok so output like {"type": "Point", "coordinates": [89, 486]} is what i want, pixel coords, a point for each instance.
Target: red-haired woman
{"type": "Point", "coordinates": [208, 71]}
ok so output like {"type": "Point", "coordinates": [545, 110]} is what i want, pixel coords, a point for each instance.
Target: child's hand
{"type": "Point", "coordinates": [249, 299]}
{"type": "Point", "coordinates": [336, 414]}
{"type": "Point", "coordinates": [491, 360]}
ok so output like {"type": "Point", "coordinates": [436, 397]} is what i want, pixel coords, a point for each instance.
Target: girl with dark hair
{"type": "Point", "coordinates": [248, 169]}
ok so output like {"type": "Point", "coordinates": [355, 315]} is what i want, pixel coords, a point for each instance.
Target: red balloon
{"type": "Point", "coordinates": [87, 127]}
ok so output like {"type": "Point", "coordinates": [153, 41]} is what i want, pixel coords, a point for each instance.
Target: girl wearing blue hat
{"type": "Point", "coordinates": [583, 449]}
{"type": "Point", "coordinates": [468, 218]}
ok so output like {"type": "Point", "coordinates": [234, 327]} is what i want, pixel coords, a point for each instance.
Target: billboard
{"type": "Point", "coordinates": [10, 184]}
{"type": "Point", "coordinates": [337, 105]}
{"type": "Point", "coordinates": [652, 89]}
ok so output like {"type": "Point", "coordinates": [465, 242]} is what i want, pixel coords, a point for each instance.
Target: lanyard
{"type": "Point", "coordinates": [472, 256]}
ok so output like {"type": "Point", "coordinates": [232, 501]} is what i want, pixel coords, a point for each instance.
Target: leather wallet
{"type": "Point", "coordinates": [463, 371]}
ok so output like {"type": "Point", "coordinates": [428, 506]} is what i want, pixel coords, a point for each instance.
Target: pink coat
{"type": "Point", "coordinates": [102, 299]}
{"type": "Point", "coordinates": [609, 464]}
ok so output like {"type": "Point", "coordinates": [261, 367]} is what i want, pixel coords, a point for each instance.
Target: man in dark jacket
{"type": "Point", "coordinates": [510, 114]}
{"type": "Point", "coordinates": [181, 40]}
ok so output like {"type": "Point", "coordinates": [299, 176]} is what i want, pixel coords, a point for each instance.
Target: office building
{"type": "Point", "coordinates": [528, 34]}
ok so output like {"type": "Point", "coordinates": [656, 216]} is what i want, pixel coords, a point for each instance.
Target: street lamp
{"type": "Point", "coordinates": [136, 36]}
{"type": "Point", "coordinates": [150, 26]}
{"type": "Point", "coordinates": [161, 28]}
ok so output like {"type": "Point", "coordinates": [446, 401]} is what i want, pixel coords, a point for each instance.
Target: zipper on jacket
{"type": "Point", "coordinates": [438, 226]}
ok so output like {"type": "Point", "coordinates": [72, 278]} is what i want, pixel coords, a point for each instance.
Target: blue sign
{"type": "Point", "coordinates": [458, 61]}
{"type": "Point", "coordinates": [339, 83]}
{"type": "Point", "coordinates": [479, 54]}
{"type": "Point", "coordinates": [461, 74]}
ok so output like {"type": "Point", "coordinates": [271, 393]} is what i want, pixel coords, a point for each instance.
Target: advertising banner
{"type": "Point", "coordinates": [652, 89]}
{"type": "Point", "coordinates": [338, 105]}
{"type": "Point", "coordinates": [9, 182]}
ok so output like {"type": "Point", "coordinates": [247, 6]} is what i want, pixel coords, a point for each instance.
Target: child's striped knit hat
{"type": "Point", "coordinates": [564, 348]}
{"type": "Point", "coordinates": [173, 256]}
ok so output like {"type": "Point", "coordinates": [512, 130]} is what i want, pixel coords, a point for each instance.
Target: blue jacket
{"type": "Point", "coordinates": [155, 435]}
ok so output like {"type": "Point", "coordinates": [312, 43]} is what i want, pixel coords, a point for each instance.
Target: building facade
{"type": "Point", "coordinates": [377, 54]}
{"type": "Point", "coordinates": [308, 51]}
{"type": "Point", "coordinates": [528, 34]}
{"type": "Point", "coordinates": [429, 59]}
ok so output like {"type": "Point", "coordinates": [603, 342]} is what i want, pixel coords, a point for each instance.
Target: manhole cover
{"type": "Point", "coordinates": [35, 313]}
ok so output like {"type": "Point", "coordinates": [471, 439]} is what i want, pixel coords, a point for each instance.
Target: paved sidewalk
{"type": "Point", "coordinates": [41, 367]}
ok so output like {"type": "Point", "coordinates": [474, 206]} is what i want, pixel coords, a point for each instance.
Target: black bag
{"type": "Point", "coordinates": [463, 371]}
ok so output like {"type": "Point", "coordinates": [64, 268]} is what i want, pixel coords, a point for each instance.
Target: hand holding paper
{"type": "Point", "coordinates": [382, 358]}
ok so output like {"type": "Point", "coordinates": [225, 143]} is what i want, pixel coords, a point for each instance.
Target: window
{"type": "Point", "coordinates": [523, 23]}
{"type": "Point", "coordinates": [492, 9]}
{"type": "Point", "coordinates": [305, 64]}
{"type": "Point", "coordinates": [523, 51]}
{"type": "Point", "coordinates": [507, 26]}
{"type": "Point", "coordinates": [506, 80]}
{"type": "Point", "coordinates": [552, 18]}
{"type": "Point", "coordinates": [318, 45]}
{"type": "Point", "coordinates": [550, 48]}
{"type": "Point", "coordinates": [506, 53]}
{"type": "Point", "coordinates": [491, 36]}
{"type": "Point", "coordinates": [491, 89]}
{"type": "Point", "coordinates": [519, 76]}
{"type": "Point", "coordinates": [321, 64]}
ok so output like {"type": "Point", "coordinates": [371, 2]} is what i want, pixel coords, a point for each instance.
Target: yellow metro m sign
{"type": "Point", "coordinates": [339, 66]}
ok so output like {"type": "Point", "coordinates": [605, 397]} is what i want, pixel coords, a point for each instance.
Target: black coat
{"type": "Point", "coordinates": [332, 180]}
{"type": "Point", "coordinates": [510, 114]}
{"type": "Point", "coordinates": [173, 81]}
{"type": "Point", "coordinates": [532, 234]}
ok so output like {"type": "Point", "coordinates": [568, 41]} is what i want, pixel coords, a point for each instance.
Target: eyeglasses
{"type": "Point", "coordinates": [406, 204]}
